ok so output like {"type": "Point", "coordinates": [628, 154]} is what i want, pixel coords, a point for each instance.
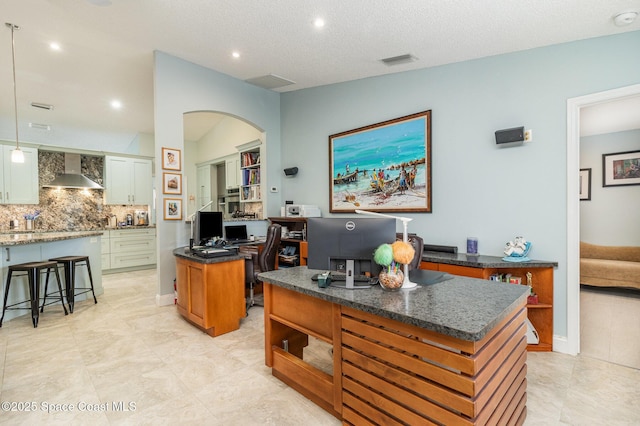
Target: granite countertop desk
{"type": "Point", "coordinates": [465, 308]}
{"type": "Point", "coordinates": [481, 261]}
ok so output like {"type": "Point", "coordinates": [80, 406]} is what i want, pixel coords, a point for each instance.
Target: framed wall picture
{"type": "Point", "coordinates": [172, 209]}
{"type": "Point", "coordinates": [172, 183]}
{"type": "Point", "coordinates": [171, 159]}
{"type": "Point", "coordinates": [384, 167]}
{"type": "Point", "coordinates": [585, 184]}
{"type": "Point", "coordinates": [621, 168]}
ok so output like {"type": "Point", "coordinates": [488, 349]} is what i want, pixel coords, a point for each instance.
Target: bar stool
{"type": "Point", "coordinates": [33, 270]}
{"type": "Point", "coordinates": [69, 263]}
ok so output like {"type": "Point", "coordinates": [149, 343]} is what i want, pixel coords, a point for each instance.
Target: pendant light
{"type": "Point", "coordinates": [17, 156]}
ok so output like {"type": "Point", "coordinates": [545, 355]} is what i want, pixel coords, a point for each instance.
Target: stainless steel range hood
{"type": "Point", "coordinates": [72, 177]}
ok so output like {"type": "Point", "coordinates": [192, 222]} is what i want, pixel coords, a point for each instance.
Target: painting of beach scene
{"type": "Point", "coordinates": [384, 167]}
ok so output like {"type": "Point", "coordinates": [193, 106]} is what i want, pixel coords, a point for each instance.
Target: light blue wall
{"type": "Point", "coordinates": [478, 189]}
{"type": "Point", "coordinates": [611, 216]}
{"type": "Point", "coordinates": [181, 86]}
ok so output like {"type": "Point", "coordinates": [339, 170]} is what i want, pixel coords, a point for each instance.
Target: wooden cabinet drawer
{"type": "Point", "coordinates": [464, 271]}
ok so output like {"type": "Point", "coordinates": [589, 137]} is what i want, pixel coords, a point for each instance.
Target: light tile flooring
{"type": "Point", "coordinates": [125, 350]}
{"type": "Point", "coordinates": [610, 325]}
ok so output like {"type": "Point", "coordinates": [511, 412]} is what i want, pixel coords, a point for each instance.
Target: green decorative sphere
{"type": "Point", "coordinates": [383, 255]}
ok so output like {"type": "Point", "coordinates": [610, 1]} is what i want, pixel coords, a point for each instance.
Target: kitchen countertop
{"type": "Point", "coordinates": [461, 307]}
{"type": "Point", "coordinates": [22, 238]}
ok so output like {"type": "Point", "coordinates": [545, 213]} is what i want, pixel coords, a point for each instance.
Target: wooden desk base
{"type": "Point", "coordinates": [211, 296]}
{"type": "Point", "coordinates": [388, 372]}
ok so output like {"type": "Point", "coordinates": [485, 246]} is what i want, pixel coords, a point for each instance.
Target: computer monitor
{"type": "Point", "coordinates": [235, 233]}
{"type": "Point", "coordinates": [208, 225]}
{"type": "Point", "coordinates": [347, 244]}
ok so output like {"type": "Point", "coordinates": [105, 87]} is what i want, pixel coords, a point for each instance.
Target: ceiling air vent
{"type": "Point", "coordinates": [397, 60]}
{"type": "Point", "coordinates": [270, 81]}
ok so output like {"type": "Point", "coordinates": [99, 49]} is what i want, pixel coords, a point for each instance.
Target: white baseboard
{"type": "Point", "coordinates": [165, 299]}
{"type": "Point", "coordinates": [561, 345]}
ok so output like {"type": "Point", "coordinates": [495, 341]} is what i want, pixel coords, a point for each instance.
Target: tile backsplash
{"type": "Point", "coordinates": [66, 209]}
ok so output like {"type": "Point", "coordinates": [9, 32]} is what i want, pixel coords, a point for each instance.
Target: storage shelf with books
{"type": "Point", "coordinates": [250, 171]}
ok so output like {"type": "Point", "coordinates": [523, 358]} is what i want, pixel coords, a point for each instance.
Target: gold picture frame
{"type": "Point", "coordinates": [171, 183]}
{"type": "Point", "coordinates": [171, 159]}
{"type": "Point", "coordinates": [173, 209]}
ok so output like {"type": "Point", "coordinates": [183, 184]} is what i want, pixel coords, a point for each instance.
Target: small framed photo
{"type": "Point", "coordinates": [621, 168]}
{"type": "Point", "coordinates": [171, 159]}
{"type": "Point", "coordinates": [172, 183]}
{"type": "Point", "coordinates": [585, 184]}
{"type": "Point", "coordinates": [172, 209]}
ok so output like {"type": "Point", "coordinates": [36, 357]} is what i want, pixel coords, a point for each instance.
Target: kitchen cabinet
{"type": "Point", "coordinates": [232, 171]}
{"type": "Point", "coordinates": [128, 180]}
{"type": "Point", "coordinates": [203, 179]}
{"type": "Point", "coordinates": [19, 181]}
{"type": "Point", "coordinates": [133, 248]}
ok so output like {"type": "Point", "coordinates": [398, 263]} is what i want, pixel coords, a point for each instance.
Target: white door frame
{"type": "Point", "coordinates": [574, 105]}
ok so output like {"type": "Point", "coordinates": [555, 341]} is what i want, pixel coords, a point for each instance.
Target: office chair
{"type": "Point", "coordinates": [255, 263]}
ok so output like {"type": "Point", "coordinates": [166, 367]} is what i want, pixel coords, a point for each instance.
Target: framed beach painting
{"type": "Point", "coordinates": [383, 167]}
{"type": "Point", "coordinates": [585, 184]}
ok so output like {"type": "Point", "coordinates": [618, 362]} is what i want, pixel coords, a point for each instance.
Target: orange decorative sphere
{"type": "Point", "coordinates": [403, 252]}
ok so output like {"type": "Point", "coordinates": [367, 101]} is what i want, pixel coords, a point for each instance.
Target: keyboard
{"type": "Point", "coordinates": [341, 276]}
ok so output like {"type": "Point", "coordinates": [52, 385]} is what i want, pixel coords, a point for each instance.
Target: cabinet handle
{"type": "Point", "coordinates": [8, 255]}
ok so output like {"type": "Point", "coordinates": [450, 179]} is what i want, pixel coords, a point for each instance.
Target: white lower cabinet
{"type": "Point", "coordinates": [129, 248]}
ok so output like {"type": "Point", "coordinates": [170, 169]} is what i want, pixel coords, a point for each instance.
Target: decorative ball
{"type": "Point", "coordinates": [403, 252]}
{"type": "Point", "coordinates": [383, 255]}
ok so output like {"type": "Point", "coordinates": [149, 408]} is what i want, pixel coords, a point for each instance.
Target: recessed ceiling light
{"type": "Point", "coordinates": [318, 22]}
{"type": "Point", "coordinates": [235, 54]}
{"type": "Point", "coordinates": [54, 46]}
{"type": "Point", "coordinates": [116, 104]}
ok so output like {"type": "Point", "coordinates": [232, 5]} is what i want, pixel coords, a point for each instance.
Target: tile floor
{"type": "Point", "coordinates": [126, 361]}
{"type": "Point", "coordinates": [610, 325]}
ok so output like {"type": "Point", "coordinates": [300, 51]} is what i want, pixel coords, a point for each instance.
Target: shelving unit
{"type": "Point", "coordinates": [250, 172]}
{"type": "Point", "coordinates": [540, 314]}
{"type": "Point", "coordinates": [295, 224]}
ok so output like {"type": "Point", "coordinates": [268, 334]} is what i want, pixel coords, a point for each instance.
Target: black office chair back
{"type": "Point", "coordinates": [267, 259]}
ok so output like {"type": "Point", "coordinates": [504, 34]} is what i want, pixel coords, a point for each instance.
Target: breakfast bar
{"type": "Point", "coordinates": [21, 247]}
{"type": "Point", "coordinates": [453, 352]}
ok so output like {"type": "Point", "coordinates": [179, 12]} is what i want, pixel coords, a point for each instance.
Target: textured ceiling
{"type": "Point", "coordinates": [107, 52]}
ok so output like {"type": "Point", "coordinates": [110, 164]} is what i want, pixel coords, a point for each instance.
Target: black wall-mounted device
{"type": "Point", "coordinates": [291, 171]}
{"type": "Point", "coordinates": [510, 135]}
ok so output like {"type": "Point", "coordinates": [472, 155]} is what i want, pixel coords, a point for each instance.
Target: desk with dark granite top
{"type": "Point", "coordinates": [451, 352]}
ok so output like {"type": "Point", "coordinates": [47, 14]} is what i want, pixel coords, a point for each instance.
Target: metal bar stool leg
{"type": "Point", "coordinates": [59, 287]}
{"type": "Point", "coordinates": [6, 296]}
{"type": "Point", "coordinates": [91, 281]}
{"type": "Point", "coordinates": [69, 282]}
{"type": "Point", "coordinates": [34, 293]}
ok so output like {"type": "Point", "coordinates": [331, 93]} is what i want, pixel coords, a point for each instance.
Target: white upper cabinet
{"type": "Point", "coordinates": [128, 180]}
{"type": "Point", "coordinates": [19, 181]}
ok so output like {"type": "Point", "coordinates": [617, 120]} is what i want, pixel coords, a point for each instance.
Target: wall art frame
{"type": "Point", "coordinates": [621, 168]}
{"type": "Point", "coordinates": [171, 183]}
{"type": "Point", "coordinates": [171, 159]}
{"type": "Point", "coordinates": [172, 208]}
{"type": "Point", "coordinates": [383, 167]}
{"type": "Point", "coordinates": [585, 184]}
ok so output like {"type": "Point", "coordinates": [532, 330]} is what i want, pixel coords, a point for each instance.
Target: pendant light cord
{"type": "Point", "coordinates": [15, 94]}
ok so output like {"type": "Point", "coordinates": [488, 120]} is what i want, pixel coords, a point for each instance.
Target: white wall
{"type": "Point", "coordinates": [611, 216]}
{"type": "Point", "coordinates": [479, 189]}
{"type": "Point", "coordinates": [179, 87]}
{"type": "Point", "coordinates": [222, 140]}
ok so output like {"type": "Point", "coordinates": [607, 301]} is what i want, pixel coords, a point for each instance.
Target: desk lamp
{"type": "Point", "coordinates": [407, 283]}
